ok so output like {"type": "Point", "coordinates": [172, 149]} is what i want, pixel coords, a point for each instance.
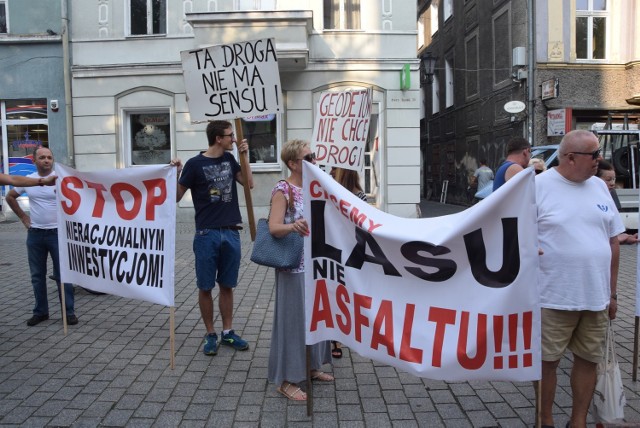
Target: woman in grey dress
{"type": "Point", "coordinates": [287, 357]}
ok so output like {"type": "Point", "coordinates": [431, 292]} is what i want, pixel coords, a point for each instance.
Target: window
{"type": "Point", "coordinates": [148, 17]}
{"type": "Point", "coordinates": [502, 47]}
{"type": "Point", "coordinates": [434, 17]}
{"type": "Point", "coordinates": [261, 133]}
{"type": "Point", "coordinates": [4, 22]}
{"type": "Point", "coordinates": [448, 9]}
{"type": "Point", "coordinates": [448, 71]}
{"type": "Point", "coordinates": [149, 137]}
{"type": "Point", "coordinates": [591, 29]}
{"type": "Point", "coordinates": [342, 14]}
{"type": "Point", "coordinates": [435, 95]}
{"type": "Point", "coordinates": [471, 56]}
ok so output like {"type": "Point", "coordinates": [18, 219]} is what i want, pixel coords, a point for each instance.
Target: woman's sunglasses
{"type": "Point", "coordinates": [309, 157]}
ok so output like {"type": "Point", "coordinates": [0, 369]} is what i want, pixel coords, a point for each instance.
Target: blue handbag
{"type": "Point", "coordinates": [280, 253]}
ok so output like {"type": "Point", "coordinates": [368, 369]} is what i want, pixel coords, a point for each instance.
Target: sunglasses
{"type": "Point", "coordinates": [594, 155]}
{"type": "Point", "coordinates": [309, 157]}
{"type": "Point", "coordinates": [538, 171]}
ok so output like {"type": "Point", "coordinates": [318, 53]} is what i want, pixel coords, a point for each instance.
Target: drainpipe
{"type": "Point", "coordinates": [67, 83]}
{"type": "Point", "coordinates": [531, 83]}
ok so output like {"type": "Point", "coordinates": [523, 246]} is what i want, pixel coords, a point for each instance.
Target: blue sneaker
{"type": "Point", "coordinates": [235, 341]}
{"type": "Point", "coordinates": [211, 344]}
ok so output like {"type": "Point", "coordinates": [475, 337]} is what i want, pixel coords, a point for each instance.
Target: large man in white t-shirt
{"type": "Point", "coordinates": [578, 225]}
{"type": "Point", "coordinates": [42, 237]}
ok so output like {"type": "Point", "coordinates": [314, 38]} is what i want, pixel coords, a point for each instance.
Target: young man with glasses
{"type": "Point", "coordinates": [518, 155]}
{"type": "Point", "coordinates": [578, 227]}
{"type": "Point", "coordinates": [211, 176]}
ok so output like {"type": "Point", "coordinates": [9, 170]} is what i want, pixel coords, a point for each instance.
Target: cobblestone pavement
{"type": "Point", "coordinates": [112, 369]}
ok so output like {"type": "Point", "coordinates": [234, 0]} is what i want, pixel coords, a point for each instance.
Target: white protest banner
{"type": "Point", "coordinates": [117, 231]}
{"type": "Point", "coordinates": [452, 298]}
{"type": "Point", "coordinates": [232, 81]}
{"type": "Point", "coordinates": [341, 128]}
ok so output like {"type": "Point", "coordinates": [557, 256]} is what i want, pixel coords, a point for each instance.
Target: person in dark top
{"type": "Point", "coordinates": [607, 173]}
{"type": "Point", "coordinates": [211, 176]}
{"type": "Point", "coordinates": [518, 155]}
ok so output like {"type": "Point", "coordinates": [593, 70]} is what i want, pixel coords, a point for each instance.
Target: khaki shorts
{"type": "Point", "coordinates": [582, 332]}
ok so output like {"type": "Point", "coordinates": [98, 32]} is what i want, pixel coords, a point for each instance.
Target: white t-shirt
{"type": "Point", "coordinates": [42, 204]}
{"type": "Point", "coordinates": [575, 223]}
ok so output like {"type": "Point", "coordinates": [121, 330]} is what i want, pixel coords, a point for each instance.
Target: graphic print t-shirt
{"type": "Point", "coordinates": [213, 189]}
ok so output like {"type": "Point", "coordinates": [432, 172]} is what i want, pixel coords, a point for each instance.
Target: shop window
{"type": "Point", "coordinates": [147, 17]}
{"type": "Point", "coordinates": [4, 21]}
{"type": "Point", "coordinates": [149, 137]}
{"type": "Point", "coordinates": [261, 133]}
{"type": "Point", "coordinates": [342, 14]}
{"type": "Point", "coordinates": [25, 125]}
{"type": "Point", "coordinates": [591, 29]}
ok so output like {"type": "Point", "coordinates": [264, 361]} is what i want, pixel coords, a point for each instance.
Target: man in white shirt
{"type": "Point", "coordinates": [578, 225]}
{"type": "Point", "coordinates": [42, 237]}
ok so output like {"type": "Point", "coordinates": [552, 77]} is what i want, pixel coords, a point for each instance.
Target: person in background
{"type": "Point", "coordinates": [518, 155]}
{"type": "Point", "coordinates": [287, 356]}
{"type": "Point", "coordinates": [42, 236]}
{"type": "Point", "coordinates": [482, 176]}
{"type": "Point", "coordinates": [350, 180]}
{"type": "Point", "coordinates": [212, 177]}
{"type": "Point", "coordinates": [20, 181]}
{"type": "Point", "coordinates": [607, 173]}
{"type": "Point", "coordinates": [578, 228]}
{"type": "Point", "coordinates": [538, 165]}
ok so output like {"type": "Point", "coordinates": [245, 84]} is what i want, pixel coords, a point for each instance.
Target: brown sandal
{"type": "Point", "coordinates": [292, 391]}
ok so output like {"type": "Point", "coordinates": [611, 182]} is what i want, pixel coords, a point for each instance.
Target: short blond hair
{"type": "Point", "coordinates": [537, 161]}
{"type": "Point", "coordinates": [291, 150]}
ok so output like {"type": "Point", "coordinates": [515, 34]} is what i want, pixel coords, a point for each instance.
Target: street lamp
{"type": "Point", "coordinates": [428, 66]}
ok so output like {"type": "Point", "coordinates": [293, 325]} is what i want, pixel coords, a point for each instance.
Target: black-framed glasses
{"type": "Point", "coordinates": [310, 157]}
{"type": "Point", "coordinates": [594, 155]}
{"type": "Point", "coordinates": [229, 135]}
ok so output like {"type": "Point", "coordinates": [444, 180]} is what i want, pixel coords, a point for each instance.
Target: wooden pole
{"type": "Point", "coordinates": [60, 285]}
{"type": "Point", "coordinates": [634, 375]}
{"type": "Point", "coordinates": [172, 336]}
{"type": "Point", "coordinates": [244, 164]}
{"type": "Point", "coordinates": [309, 385]}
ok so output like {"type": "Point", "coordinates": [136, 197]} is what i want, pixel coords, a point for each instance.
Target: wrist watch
{"type": "Point", "coordinates": [614, 296]}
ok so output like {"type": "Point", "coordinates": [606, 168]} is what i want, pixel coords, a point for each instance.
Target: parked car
{"type": "Point", "coordinates": [620, 147]}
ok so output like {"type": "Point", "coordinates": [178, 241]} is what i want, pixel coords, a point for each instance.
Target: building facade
{"type": "Point", "coordinates": [588, 62]}
{"type": "Point", "coordinates": [129, 102]}
{"type": "Point", "coordinates": [573, 64]}
{"type": "Point", "coordinates": [474, 76]}
{"type": "Point", "coordinates": [32, 93]}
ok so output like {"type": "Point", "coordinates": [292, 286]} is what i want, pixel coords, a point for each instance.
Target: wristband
{"type": "Point", "coordinates": [40, 182]}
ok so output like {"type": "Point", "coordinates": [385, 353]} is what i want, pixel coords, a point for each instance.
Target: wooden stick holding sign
{"type": "Point", "coordinates": [244, 165]}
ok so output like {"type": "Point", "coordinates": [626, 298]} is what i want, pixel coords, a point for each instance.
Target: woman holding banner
{"type": "Point", "coordinates": [287, 357]}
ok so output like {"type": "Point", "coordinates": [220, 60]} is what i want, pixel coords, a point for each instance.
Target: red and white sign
{"type": "Point", "coordinates": [558, 122]}
{"type": "Point", "coordinates": [116, 231]}
{"type": "Point", "coordinates": [341, 128]}
{"type": "Point", "coordinates": [451, 298]}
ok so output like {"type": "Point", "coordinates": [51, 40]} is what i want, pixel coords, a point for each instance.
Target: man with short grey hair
{"type": "Point", "coordinates": [578, 225]}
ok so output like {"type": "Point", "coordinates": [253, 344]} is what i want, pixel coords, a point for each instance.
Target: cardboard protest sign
{"type": "Point", "coordinates": [232, 81]}
{"type": "Point", "coordinates": [341, 128]}
{"type": "Point", "coordinates": [116, 231]}
{"type": "Point", "coordinates": [451, 298]}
